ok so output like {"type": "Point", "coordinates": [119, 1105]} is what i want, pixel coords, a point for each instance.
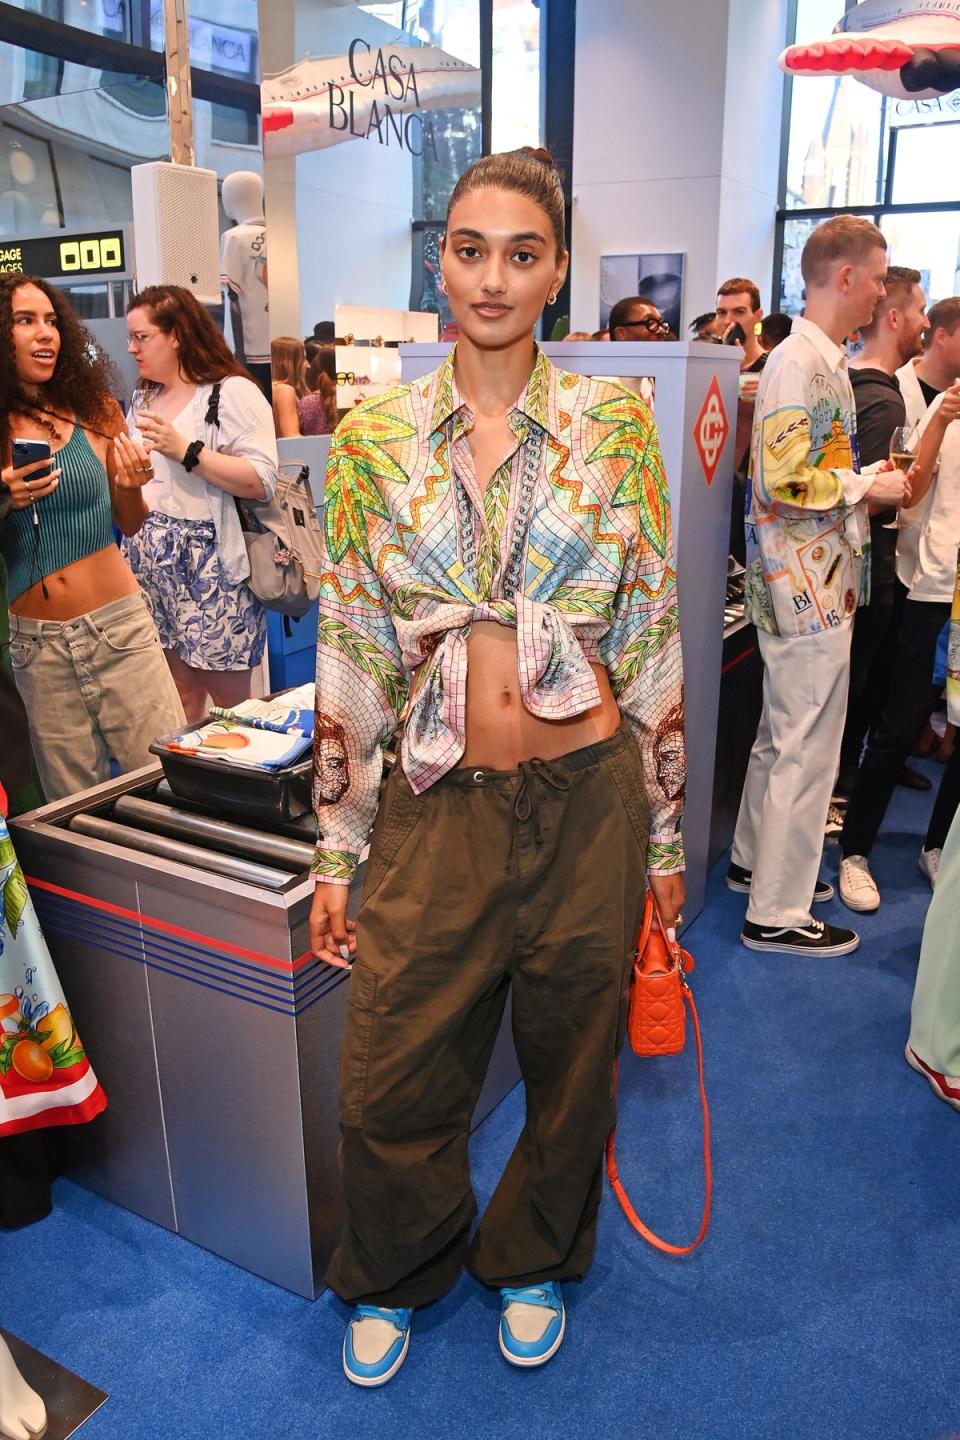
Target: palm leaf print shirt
{"type": "Point", "coordinates": [570, 544]}
{"type": "Point", "coordinates": [808, 538]}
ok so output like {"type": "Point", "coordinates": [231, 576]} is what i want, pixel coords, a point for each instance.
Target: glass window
{"type": "Point", "coordinates": [232, 126]}
{"type": "Point", "coordinates": [223, 36]}
{"type": "Point", "coordinates": [929, 243]}
{"type": "Point", "coordinates": [453, 139]}
{"type": "Point", "coordinates": [515, 96]}
{"type": "Point", "coordinates": [836, 128]}
{"type": "Point", "coordinates": [42, 75]}
{"type": "Point", "coordinates": [226, 138]}
{"type": "Point", "coordinates": [101, 17]}
{"type": "Point", "coordinates": [29, 199]}
{"type": "Point", "coordinates": [843, 139]}
{"type": "Point", "coordinates": [925, 168]}
{"type": "Point", "coordinates": [795, 235]}
{"type": "Point", "coordinates": [837, 147]}
{"type": "Point", "coordinates": [136, 93]}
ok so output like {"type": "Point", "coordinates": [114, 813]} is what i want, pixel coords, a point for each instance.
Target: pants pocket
{"type": "Point", "coordinates": [24, 650]}
{"type": "Point", "coordinates": [399, 813]}
{"type": "Point", "coordinates": [628, 778]}
{"type": "Point", "coordinates": [128, 634]}
{"type": "Point", "coordinates": [357, 1041]}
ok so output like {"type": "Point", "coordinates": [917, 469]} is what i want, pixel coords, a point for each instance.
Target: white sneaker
{"type": "Point", "coordinates": [929, 862]}
{"type": "Point", "coordinates": [858, 889]}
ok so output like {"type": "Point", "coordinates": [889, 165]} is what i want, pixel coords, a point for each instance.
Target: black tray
{"type": "Point", "coordinates": [232, 792]}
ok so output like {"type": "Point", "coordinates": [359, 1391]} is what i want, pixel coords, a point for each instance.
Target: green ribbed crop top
{"type": "Point", "coordinates": [74, 521]}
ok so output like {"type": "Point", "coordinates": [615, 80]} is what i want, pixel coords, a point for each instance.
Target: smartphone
{"type": "Point", "coordinates": [27, 452]}
{"type": "Point", "coordinates": [737, 336]}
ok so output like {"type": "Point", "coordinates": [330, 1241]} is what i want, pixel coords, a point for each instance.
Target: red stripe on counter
{"type": "Point", "coordinates": [167, 928]}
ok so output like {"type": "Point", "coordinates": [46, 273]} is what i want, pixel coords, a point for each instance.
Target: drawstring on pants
{"type": "Point", "coordinates": [525, 806]}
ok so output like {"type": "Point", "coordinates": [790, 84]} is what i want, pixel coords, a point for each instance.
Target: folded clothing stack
{"type": "Point", "coordinates": [265, 734]}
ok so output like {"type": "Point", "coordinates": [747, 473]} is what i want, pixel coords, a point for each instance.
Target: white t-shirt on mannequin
{"type": "Point", "coordinates": [243, 264]}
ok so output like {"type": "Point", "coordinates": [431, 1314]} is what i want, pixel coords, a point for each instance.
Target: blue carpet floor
{"type": "Point", "coordinates": [823, 1304]}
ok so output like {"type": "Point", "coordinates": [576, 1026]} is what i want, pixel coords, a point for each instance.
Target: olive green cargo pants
{"type": "Point", "coordinates": [530, 882]}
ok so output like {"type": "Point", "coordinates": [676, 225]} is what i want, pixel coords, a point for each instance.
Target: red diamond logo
{"type": "Point", "coordinates": [711, 430]}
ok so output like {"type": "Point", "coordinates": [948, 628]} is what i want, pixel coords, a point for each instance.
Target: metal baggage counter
{"type": "Point", "coordinates": [181, 941]}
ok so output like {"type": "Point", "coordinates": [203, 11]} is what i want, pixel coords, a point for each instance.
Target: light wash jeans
{"type": "Point", "coordinates": [94, 687]}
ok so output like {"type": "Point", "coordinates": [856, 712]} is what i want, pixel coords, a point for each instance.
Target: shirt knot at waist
{"type": "Point", "coordinates": [556, 680]}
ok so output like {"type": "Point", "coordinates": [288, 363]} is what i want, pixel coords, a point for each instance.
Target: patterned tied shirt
{"type": "Point", "coordinates": [570, 544]}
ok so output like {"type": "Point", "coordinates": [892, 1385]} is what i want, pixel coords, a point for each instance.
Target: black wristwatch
{"type": "Point", "coordinates": [191, 455]}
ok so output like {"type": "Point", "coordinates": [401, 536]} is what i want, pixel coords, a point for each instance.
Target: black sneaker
{"type": "Point", "coordinates": [813, 939]}
{"type": "Point", "coordinates": [737, 878]}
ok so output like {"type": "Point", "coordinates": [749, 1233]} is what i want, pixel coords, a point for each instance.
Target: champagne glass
{"type": "Point", "coordinates": [903, 448]}
{"type": "Point", "coordinates": [903, 445]}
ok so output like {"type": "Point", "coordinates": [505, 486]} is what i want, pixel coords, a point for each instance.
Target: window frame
{"type": "Point", "coordinates": [876, 211]}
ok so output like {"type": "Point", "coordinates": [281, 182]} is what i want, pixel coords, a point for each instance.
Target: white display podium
{"type": "Point", "coordinates": [695, 405]}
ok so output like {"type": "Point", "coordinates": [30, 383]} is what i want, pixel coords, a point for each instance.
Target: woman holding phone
{"type": "Point", "coordinates": [507, 521]}
{"type": "Point", "coordinates": [85, 652]}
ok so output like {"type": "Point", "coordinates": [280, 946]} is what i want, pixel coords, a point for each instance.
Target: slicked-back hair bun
{"type": "Point", "coordinates": [528, 172]}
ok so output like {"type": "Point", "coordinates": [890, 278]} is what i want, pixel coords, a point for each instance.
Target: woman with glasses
{"type": "Point", "coordinates": [507, 521]}
{"type": "Point", "coordinates": [210, 437]}
{"type": "Point", "coordinates": [84, 650]}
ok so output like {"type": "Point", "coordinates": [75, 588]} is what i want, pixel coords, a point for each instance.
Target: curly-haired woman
{"type": "Point", "coordinates": [84, 649]}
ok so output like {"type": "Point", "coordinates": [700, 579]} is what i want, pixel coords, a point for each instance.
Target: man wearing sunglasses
{"type": "Point", "coordinates": [636, 318]}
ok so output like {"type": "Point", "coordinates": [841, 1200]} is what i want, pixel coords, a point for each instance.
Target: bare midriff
{"type": "Point", "coordinates": [78, 588]}
{"type": "Point", "coordinates": [85, 584]}
{"type": "Point", "coordinates": [500, 730]}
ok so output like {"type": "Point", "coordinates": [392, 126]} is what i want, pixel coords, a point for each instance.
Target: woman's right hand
{"type": "Point", "coordinates": [329, 926]}
{"type": "Point", "coordinates": [133, 467]}
{"type": "Point", "coordinates": [24, 491]}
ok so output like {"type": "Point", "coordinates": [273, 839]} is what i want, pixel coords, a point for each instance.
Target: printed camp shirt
{"type": "Point", "coordinates": [570, 544]}
{"type": "Point", "coordinates": [808, 538]}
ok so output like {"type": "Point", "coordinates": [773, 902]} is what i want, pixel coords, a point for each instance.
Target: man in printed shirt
{"type": "Point", "coordinates": [807, 568]}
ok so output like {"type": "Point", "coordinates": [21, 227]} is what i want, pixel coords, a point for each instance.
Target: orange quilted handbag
{"type": "Point", "coordinates": [656, 1026]}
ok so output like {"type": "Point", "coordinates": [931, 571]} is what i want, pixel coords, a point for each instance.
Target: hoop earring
{"type": "Point", "coordinates": [552, 299]}
{"type": "Point", "coordinates": [443, 287]}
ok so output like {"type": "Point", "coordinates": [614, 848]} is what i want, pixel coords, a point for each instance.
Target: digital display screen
{"type": "Point", "coordinates": [58, 257]}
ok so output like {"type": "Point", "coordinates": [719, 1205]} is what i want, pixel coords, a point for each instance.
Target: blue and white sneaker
{"type": "Point", "coordinates": [532, 1323]}
{"type": "Point", "coordinates": [376, 1344]}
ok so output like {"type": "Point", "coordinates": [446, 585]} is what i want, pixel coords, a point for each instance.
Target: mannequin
{"type": "Point", "coordinates": [23, 1414]}
{"type": "Point", "coordinates": [243, 274]}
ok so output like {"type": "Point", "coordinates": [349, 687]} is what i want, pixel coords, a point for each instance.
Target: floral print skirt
{"type": "Point", "coordinates": [211, 623]}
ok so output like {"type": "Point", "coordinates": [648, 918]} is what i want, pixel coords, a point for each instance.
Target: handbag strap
{"type": "Point", "coordinates": [614, 1174]}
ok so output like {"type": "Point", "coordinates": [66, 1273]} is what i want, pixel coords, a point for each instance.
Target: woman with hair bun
{"type": "Point", "coordinates": [84, 650]}
{"type": "Point", "coordinates": [209, 433]}
{"type": "Point", "coordinates": [499, 585]}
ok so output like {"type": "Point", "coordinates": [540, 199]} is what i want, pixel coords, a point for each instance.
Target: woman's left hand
{"type": "Point", "coordinates": [159, 434]}
{"type": "Point", "coordinates": [668, 891]}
